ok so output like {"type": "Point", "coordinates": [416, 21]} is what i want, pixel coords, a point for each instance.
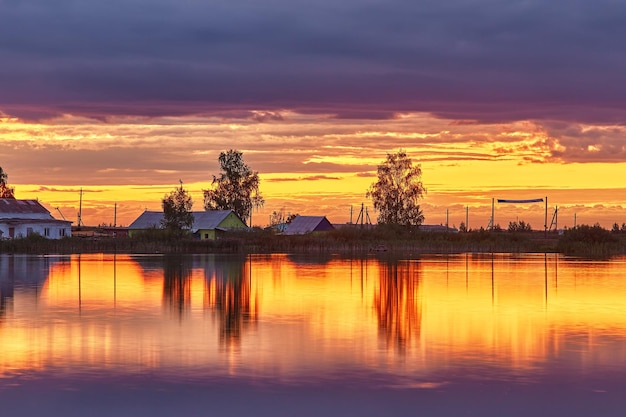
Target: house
{"type": "Point", "coordinates": [206, 224]}
{"type": "Point", "coordinates": [20, 218]}
{"type": "Point", "coordinates": [301, 225]}
{"type": "Point", "coordinates": [437, 228]}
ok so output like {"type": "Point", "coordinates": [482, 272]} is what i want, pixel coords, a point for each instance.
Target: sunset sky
{"type": "Point", "coordinates": [495, 99]}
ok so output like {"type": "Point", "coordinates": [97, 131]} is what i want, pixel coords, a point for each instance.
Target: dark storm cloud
{"type": "Point", "coordinates": [472, 60]}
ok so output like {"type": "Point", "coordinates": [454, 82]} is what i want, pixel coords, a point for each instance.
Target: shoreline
{"type": "Point", "coordinates": [588, 242]}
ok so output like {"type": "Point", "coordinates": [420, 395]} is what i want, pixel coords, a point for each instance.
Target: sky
{"type": "Point", "coordinates": [494, 99]}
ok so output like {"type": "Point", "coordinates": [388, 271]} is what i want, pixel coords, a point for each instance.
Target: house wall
{"type": "Point", "coordinates": [232, 222]}
{"type": "Point", "coordinates": [207, 234]}
{"type": "Point", "coordinates": [51, 230]}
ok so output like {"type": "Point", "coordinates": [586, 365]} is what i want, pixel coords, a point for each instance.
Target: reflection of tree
{"type": "Point", "coordinates": [228, 292]}
{"type": "Point", "coordinates": [176, 282]}
{"type": "Point", "coordinates": [397, 303]}
{"type": "Point", "coordinates": [6, 295]}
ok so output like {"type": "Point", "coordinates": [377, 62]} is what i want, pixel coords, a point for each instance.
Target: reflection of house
{"type": "Point", "coordinates": [20, 218]}
{"type": "Point", "coordinates": [206, 224]}
{"type": "Point", "coordinates": [28, 273]}
{"type": "Point", "coordinates": [301, 225]}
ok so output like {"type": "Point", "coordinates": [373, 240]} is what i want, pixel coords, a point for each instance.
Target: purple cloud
{"type": "Point", "coordinates": [483, 60]}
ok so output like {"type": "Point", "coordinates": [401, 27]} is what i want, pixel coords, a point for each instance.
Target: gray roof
{"type": "Point", "coordinates": [206, 220]}
{"type": "Point", "coordinates": [437, 228]}
{"type": "Point", "coordinates": [11, 206]}
{"type": "Point", "coordinates": [306, 224]}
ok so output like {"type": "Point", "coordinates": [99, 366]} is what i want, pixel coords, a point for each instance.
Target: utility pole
{"type": "Point", "coordinates": [80, 209]}
{"type": "Point", "coordinates": [545, 219]}
{"type": "Point", "coordinates": [492, 213]}
{"type": "Point", "coordinates": [361, 216]}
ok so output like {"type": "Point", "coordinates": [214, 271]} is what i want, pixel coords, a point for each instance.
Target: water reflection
{"type": "Point", "coordinates": [177, 270]}
{"type": "Point", "coordinates": [397, 303]}
{"type": "Point", "coordinates": [228, 292]}
{"type": "Point", "coordinates": [27, 273]}
{"type": "Point", "coordinates": [493, 316]}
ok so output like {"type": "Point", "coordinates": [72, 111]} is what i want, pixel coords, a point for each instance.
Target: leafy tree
{"type": "Point", "coordinates": [177, 213]}
{"type": "Point", "coordinates": [520, 226]}
{"type": "Point", "coordinates": [236, 188]}
{"type": "Point", "coordinates": [397, 191]}
{"type": "Point", "coordinates": [5, 190]}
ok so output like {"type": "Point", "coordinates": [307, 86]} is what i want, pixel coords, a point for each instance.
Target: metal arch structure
{"type": "Point", "coordinates": [523, 201]}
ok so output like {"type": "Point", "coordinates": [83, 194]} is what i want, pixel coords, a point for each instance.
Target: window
{"type": "Point", "coordinates": [61, 232]}
{"type": "Point", "coordinates": [29, 231]}
{"type": "Point", "coordinates": [46, 232]}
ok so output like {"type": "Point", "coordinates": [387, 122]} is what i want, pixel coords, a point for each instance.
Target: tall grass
{"type": "Point", "coordinates": [582, 241]}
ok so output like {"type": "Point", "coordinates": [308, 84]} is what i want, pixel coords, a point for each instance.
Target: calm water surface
{"type": "Point", "coordinates": [293, 335]}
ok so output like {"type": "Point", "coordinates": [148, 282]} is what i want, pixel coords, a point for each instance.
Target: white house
{"type": "Point", "coordinates": [20, 218]}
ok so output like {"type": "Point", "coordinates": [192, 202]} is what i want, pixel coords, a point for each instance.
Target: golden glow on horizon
{"type": "Point", "coordinates": [462, 163]}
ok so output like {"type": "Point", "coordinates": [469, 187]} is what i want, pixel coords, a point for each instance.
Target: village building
{"type": "Point", "coordinates": [21, 218]}
{"type": "Point", "coordinates": [206, 224]}
{"type": "Point", "coordinates": [301, 225]}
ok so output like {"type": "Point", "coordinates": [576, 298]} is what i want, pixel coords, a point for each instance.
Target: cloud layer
{"type": "Point", "coordinates": [476, 60]}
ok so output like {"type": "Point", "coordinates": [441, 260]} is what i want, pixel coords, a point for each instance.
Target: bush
{"type": "Point", "coordinates": [589, 241]}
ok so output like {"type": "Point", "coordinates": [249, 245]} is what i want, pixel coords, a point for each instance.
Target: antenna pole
{"type": "Point", "coordinates": [545, 219]}
{"type": "Point", "coordinates": [492, 213]}
{"type": "Point", "coordinates": [80, 209]}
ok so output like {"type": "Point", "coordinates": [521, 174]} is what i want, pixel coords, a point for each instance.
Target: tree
{"type": "Point", "coordinates": [177, 215]}
{"type": "Point", "coordinates": [236, 188]}
{"type": "Point", "coordinates": [519, 226]}
{"type": "Point", "coordinates": [5, 190]}
{"type": "Point", "coordinates": [397, 191]}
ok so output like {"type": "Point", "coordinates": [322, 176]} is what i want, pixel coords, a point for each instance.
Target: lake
{"type": "Point", "coordinates": [294, 335]}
